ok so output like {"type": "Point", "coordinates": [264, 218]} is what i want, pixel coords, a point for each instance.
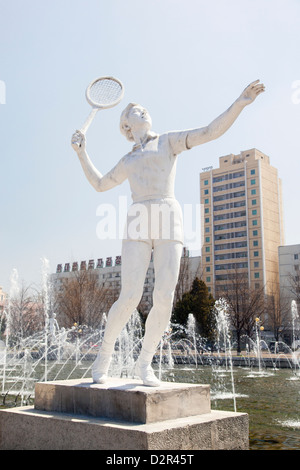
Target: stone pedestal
{"type": "Point", "coordinates": [121, 415]}
{"type": "Point", "coordinates": [123, 400]}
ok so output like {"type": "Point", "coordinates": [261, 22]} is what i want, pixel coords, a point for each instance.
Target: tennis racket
{"type": "Point", "coordinates": [102, 93]}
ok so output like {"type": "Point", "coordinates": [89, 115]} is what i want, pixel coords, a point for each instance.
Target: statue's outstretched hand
{"type": "Point", "coordinates": [78, 141]}
{"type": "Point", "coordinates": [251, 92]}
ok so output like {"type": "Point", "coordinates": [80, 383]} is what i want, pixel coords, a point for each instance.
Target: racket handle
{"type": "Point", "coordinates": [88, 122]}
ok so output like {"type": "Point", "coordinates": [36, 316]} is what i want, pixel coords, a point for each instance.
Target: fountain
{"type": "Point", "coordinates": [258, 330]}
{"type": "Point", "coordinates": [191, 331]}
{"type": "Point", "coordinates": [58, 353]}
{"type": "Point", "coordinates": [224, 339]}
{"type": "Point", "coordinates": [295, 340]}
{"type": "Point", "coordinates": [14, 288]}
{"type": "Point", "coordinates": [46, 301]}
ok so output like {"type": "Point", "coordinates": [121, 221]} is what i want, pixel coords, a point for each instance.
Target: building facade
{"type": "Point", "coordinates": [289, 278]}
{"type": "Point", "coordinates": [242, 222]}
{"type": "Point", "coordinates": [289, 271]}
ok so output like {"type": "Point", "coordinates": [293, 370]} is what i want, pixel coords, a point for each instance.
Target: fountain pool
{"type": "Point", "coordinates": [255, 383]}
{"type": "Point", "coordinates": [271, 398]}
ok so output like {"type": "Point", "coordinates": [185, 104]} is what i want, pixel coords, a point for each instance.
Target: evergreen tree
{"type": "Point", "coordinates": [199, 302]}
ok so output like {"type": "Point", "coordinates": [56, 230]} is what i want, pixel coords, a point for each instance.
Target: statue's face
{"type": "Point", "coordinates": [139, 119]}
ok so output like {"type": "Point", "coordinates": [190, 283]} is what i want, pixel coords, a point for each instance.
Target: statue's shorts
{"type": "Point", "coordinates": [153, 220]}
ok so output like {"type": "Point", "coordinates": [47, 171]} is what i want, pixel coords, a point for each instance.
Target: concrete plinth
{"type": "Point", "coordinates": [121, 415]}
{"type": "Point", "coordinates": [124, 400]}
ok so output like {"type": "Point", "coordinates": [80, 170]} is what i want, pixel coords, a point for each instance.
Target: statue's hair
{"type": "Point", "coordinates": [124, 126]}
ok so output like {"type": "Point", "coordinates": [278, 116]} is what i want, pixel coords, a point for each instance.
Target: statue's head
{"type": "Point", "coordinates": [134, 115]}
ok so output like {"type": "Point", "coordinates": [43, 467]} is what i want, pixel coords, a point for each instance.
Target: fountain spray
{"type": "Point", "coordinates": [13, 291]}
{"type": "Point", "coordinates": [45, 288]}
{"type": "Point", "coordinates": [223, 329]}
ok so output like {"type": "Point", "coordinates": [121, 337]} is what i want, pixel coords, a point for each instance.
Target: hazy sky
{"type": "Point", "coordinates": [185, 60]}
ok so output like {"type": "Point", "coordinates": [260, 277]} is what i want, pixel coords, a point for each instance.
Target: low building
{"type": "Point", "coordinates": [289, 278]}
{"type": "Point", "coordinates": [289, 271]}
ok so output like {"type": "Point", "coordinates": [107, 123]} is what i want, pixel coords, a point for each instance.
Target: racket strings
{"type": "Point", "coordinates": [105, 91]}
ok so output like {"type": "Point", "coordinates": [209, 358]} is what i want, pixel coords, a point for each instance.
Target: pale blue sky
{"type": "Point", "coordinates": [185, 60]}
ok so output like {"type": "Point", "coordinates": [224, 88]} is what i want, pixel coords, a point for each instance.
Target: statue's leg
{"type": "Point", "coordinates": [167, 256]}
{"type": "Point", "coordinates": [135, 262]}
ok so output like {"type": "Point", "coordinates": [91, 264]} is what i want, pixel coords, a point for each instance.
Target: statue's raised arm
{"type": "Point", "coordinates": [222, 123]}
{"type": "Point", "coordinates": [99, 182]}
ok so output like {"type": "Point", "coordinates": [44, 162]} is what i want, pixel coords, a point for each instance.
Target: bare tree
{"type": "Point", "coordinates": [245, 304]}
{"type": "Point", "coordinates": [82, 300]}
{"type": "Point", "coordinates": [26, 314]}
{"type": "Point", "coordinates": [279, 313]}
{"type": "Point", "coordinates": [294, 286]}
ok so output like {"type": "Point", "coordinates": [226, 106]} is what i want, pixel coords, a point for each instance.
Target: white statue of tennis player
{"type": "Point", "coordinates": [150, 169]}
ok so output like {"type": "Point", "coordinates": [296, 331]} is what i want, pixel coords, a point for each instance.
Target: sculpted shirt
{"type": "Point", "coordinates": [150, 170]}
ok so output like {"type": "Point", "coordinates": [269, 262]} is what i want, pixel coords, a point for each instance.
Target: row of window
{"type": "Point", "coordinates": [230, 196]}
{"type": "Point", "coordinates": [229, 246]}
{"type": "Point", "coordinates": [224, 277]}
{"type": "Point", "coordinates": [227, 236]}
{"type": "Point", "coordinates": [254, 221]}
{"type": "Point", "coordinates": [232, 246]}
{"type": "Point", "coordinates": [239, 254]}
{"type": "Point", "coordinates": [230, 225]}
{"type": "Point", "coordinates": [227, 227]}
{"type": "Point", "coordinates": [221, 267]}
{"type": "Point", "coordinates": [228, 176]}
{"type": "Point", "coordinates": [223, 197]}
{"type": "Point", "coordinates": [233, 214]}
{"type": "Point", "coordinates": [227, 186]}
{"type": "Point", "coordinates": [240, 183]}
{"type": "Point", "coordinates": [229, 287]}
{"type": "Point", "coordinates": [229, 205]}
{"type": "Point", "coordinates": [229, 215]}
{"type": "Point", "coordinates": [228, 277]}
{"type": "Point", "coordinates": [108, 276]}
